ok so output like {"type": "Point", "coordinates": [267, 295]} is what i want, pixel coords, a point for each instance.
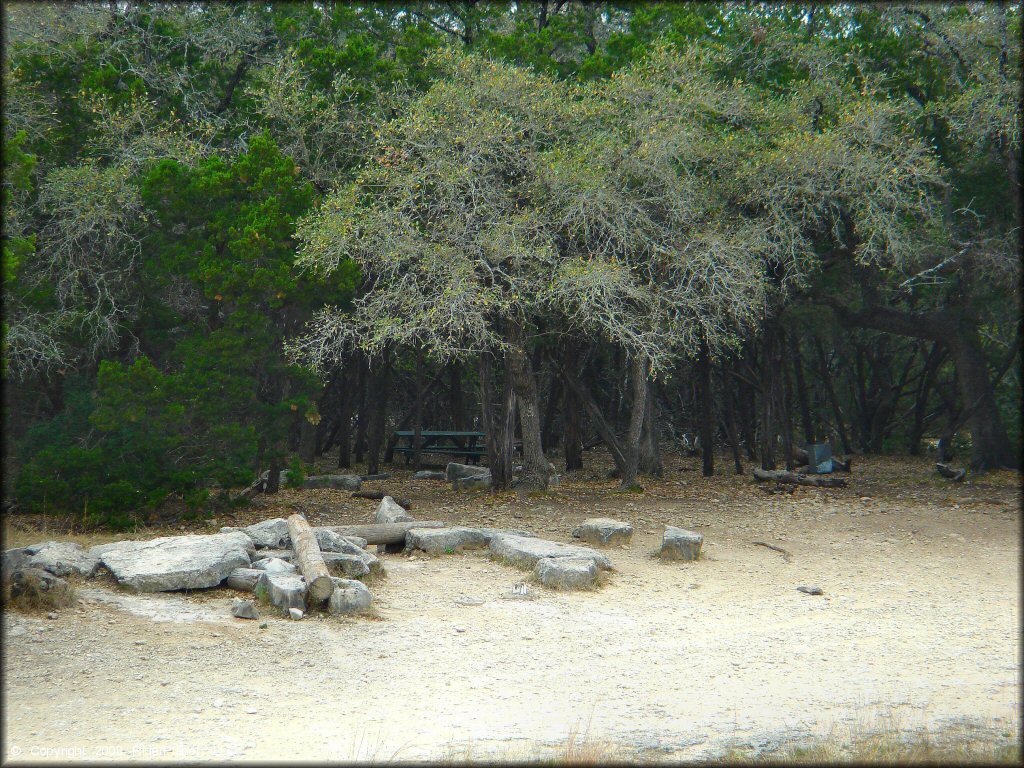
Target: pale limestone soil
{"type": "Point", "coordinates": [920, 614]}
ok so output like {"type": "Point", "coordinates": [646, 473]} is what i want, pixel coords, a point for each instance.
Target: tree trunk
{"type": "Point", "coordinates": [535, 464]}
{"type": "Point", "coordinates": [548, 435]}
{"type": "Point", "coordinates": [497, 430]}
{"type": "Point", "coordinates": [597, 419]}
{"type": "Point", "coordinates": [362, 411]}
{"type": "Point", "coordinates": [730, 429]}
{"type": "Point", "coordinates": [991, 446]}
{"type": "Point", "coordinates": [344, 436]}
{"type": "Point", "coordinates": [417, 431]}
{"type": "Point", "coordinates": [801, 393]}
{"type": "Point", "coordinates": [707, 407]}
{"type": "Point", "coordinates": [375, 438]}
{"type": "Point", "coordinates": [768, 402]}
{"type": "Point", "coordinates": [638, 381]}
{"type": "Point", "coordinates": [573, 439]}
{"type": "Point", "coordinates": [650, 451]}
{"type": "Point", "coordinates": [456, 404]}
{"type": "Point", "coordinates": [830, 390]}
{"type": "Point", "coordinates": [309, 559]}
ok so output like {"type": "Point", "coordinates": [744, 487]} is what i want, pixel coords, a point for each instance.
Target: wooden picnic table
{"type": "Point", "coordinates": [469, 445]}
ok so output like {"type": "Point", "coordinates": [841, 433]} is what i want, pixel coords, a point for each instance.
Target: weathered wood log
{"type": "Point", "coordinates": [956, 475]}
{"type": "Point", "coordinates": [309, 558]}
{"type": "Point", "coordinates": [252, 490]}
{"type": "Point", "coordinates": [378, 495]}
{"type": "Point", "coordinates": [792, 478]}
{"type": "Point", "coordinates": [384, 533]}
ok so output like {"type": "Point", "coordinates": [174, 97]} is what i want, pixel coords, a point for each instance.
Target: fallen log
{"type": "Point", "coordinates": [792, 478]}
{"type": "Point", "coordinates": [384, 533]}
{"type": "Point", "coordinates": [309, 558]}
{"type": "Point", "coordinates": [956, 475]}
{"type": "Point", "coordinates": [379, 495]}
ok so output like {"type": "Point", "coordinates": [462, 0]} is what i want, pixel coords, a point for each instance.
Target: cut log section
{"type": "Point", "coordinates": [384, 533]}
{"type": "Point", "coordinates": [379, 495]}
{"type": "Point", "coordinates": [956, 475]}
{"type": "Point", "coordinates": [792, 478]}
{"type": "Point", "coordinates": [309, 558]}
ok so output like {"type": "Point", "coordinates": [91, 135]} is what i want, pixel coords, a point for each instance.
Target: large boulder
{"type": "Point", "coordinates": [282, 590]}
{"type": "Point", "coordinates": [679, 544]}
{"type": "Point", "coordinates": [390, 511]}
{"type": "Point", "coordinates": [566, 572]}
{"type": "Point", "coordinates": [331, 541]}
{"type": "Point", "coordinates": [524, 552]}
{"type": "Point", "coordinates": [349, 597]}
{"type": "Point", "coordinates": [456, 471]}
{"type": "Point", "coordinates": [337, 482]}
{"type": "Point", "coordinates": [274, 565]}
{"type": "Point", "coordinates": [440, 541]}
{"type": "Point", "coordinates": [64, 558]}
{"type": "Point", "coordinates": [177, 562]}
{"type": "Point", "coordinates": [348, 566]}
{"type": "Point", "coordinates": [603, 531]}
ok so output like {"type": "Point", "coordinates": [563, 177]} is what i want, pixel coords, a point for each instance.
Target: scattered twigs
{"type": "Point", "coordinates": [785, 554]}
{"type": "Point", "coordinates": [792, 478]}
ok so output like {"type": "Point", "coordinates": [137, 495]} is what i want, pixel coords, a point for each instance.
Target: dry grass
{"type": "Point", "coordinates": [30, 597]}
{"type": "Point", "coordinates": [886, 739]}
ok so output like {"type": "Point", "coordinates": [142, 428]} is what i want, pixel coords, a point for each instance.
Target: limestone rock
{"type": "Point", "coordinates": [13, 561]}
{"type": "Point", "coordinates": [337, 482]}
{"type": "Point", "coordinates": [473, 483]}
{"type": "Point", "coordinates": [244, 609]}
{"type": "Point", "coordinates": [330, 541]}
{"type": "Point", "coordinates": [282, 590]}
{"type": "Point", "coordinates": [281, 554]}
{"type": "Point", "coordinates": [429, 474]}
{"type": "Point", "coordinates": [456, 471]}
{"type": "Point", "coordinates": [440, 541]}
{"type": "Point", "coordinates": [566, 572]}
{"type": "Point", "coordinates": [348, 566]}
{"type": "Point", "coordinates": [178, 562]}
{"type": "Point", "coordinates": [390, 511]}
{"type": "Point", "coordinates": [524, 552]}
{"type": "Point", "coordinates": [678, 544]}
{"type": "Point", "coordinates": [243, 579]}
{"type": "Point", "coordinates": [65, 558]}
{"type": "Point", "coordinates": [349, 597]}
{"type": "Point", "coordinates": [295, 614]}
{"type": "Point", "coordinates": [274, 565]}
{"type": "Point", "coordinates": [603, 531]}
{"type": "Point", "coordinates": [270, 534]}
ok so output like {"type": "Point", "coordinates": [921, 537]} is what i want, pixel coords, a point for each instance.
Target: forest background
{"type": "Point", "coordinates": [239, 236]}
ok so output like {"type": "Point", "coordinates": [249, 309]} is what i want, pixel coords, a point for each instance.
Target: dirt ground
{"type": "Point", "coordinates": [919, 619]}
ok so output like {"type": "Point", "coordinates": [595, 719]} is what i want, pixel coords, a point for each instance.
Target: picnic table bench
{"type": "Point", "coordinates": [468, 445]}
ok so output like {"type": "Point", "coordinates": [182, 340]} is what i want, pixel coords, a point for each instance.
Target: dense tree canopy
{"type": "Point", "coordinates": [231, 231]}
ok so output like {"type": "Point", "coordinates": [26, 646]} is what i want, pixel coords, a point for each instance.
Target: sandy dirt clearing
{"type": "Point", "coordinates": [920, 617]}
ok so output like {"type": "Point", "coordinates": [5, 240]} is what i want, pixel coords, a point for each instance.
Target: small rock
{"type": "Point", "coordinates": [428, 474]}
{"type": "Point", "coordinates": [810, 590]}
{"type": "Point", "coordinates": [469, 601]}
{"type": "Point", "coordinates": [274, 565]}
{"type": "Point", "coordinates": [460, 629]}
{"type": "Point", "coordinates": [244, 609]}
{"type": "Point", "coordinates": [678, 544]}
{"type": "Point", "coordinates": [295, 614]}
{"type": "Point", "coordinates": [51, 615]}
{"type": "Point", "coordinates": [252, 710]}
{"type": "Point", "coordinates": [337, 482]}
{"type": "Point", "coordinates": [567, 572]}
{"type": "Point", "coordinates": [349, 597]}
{"type": "Point", "coordinates": [390, 511]}
{"type": "Point", "coordinates": [264, 625]}
{"type": "Point", "coordinates": [438, 541]}
{"type": "Point", "coordinates": [603, 531]}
